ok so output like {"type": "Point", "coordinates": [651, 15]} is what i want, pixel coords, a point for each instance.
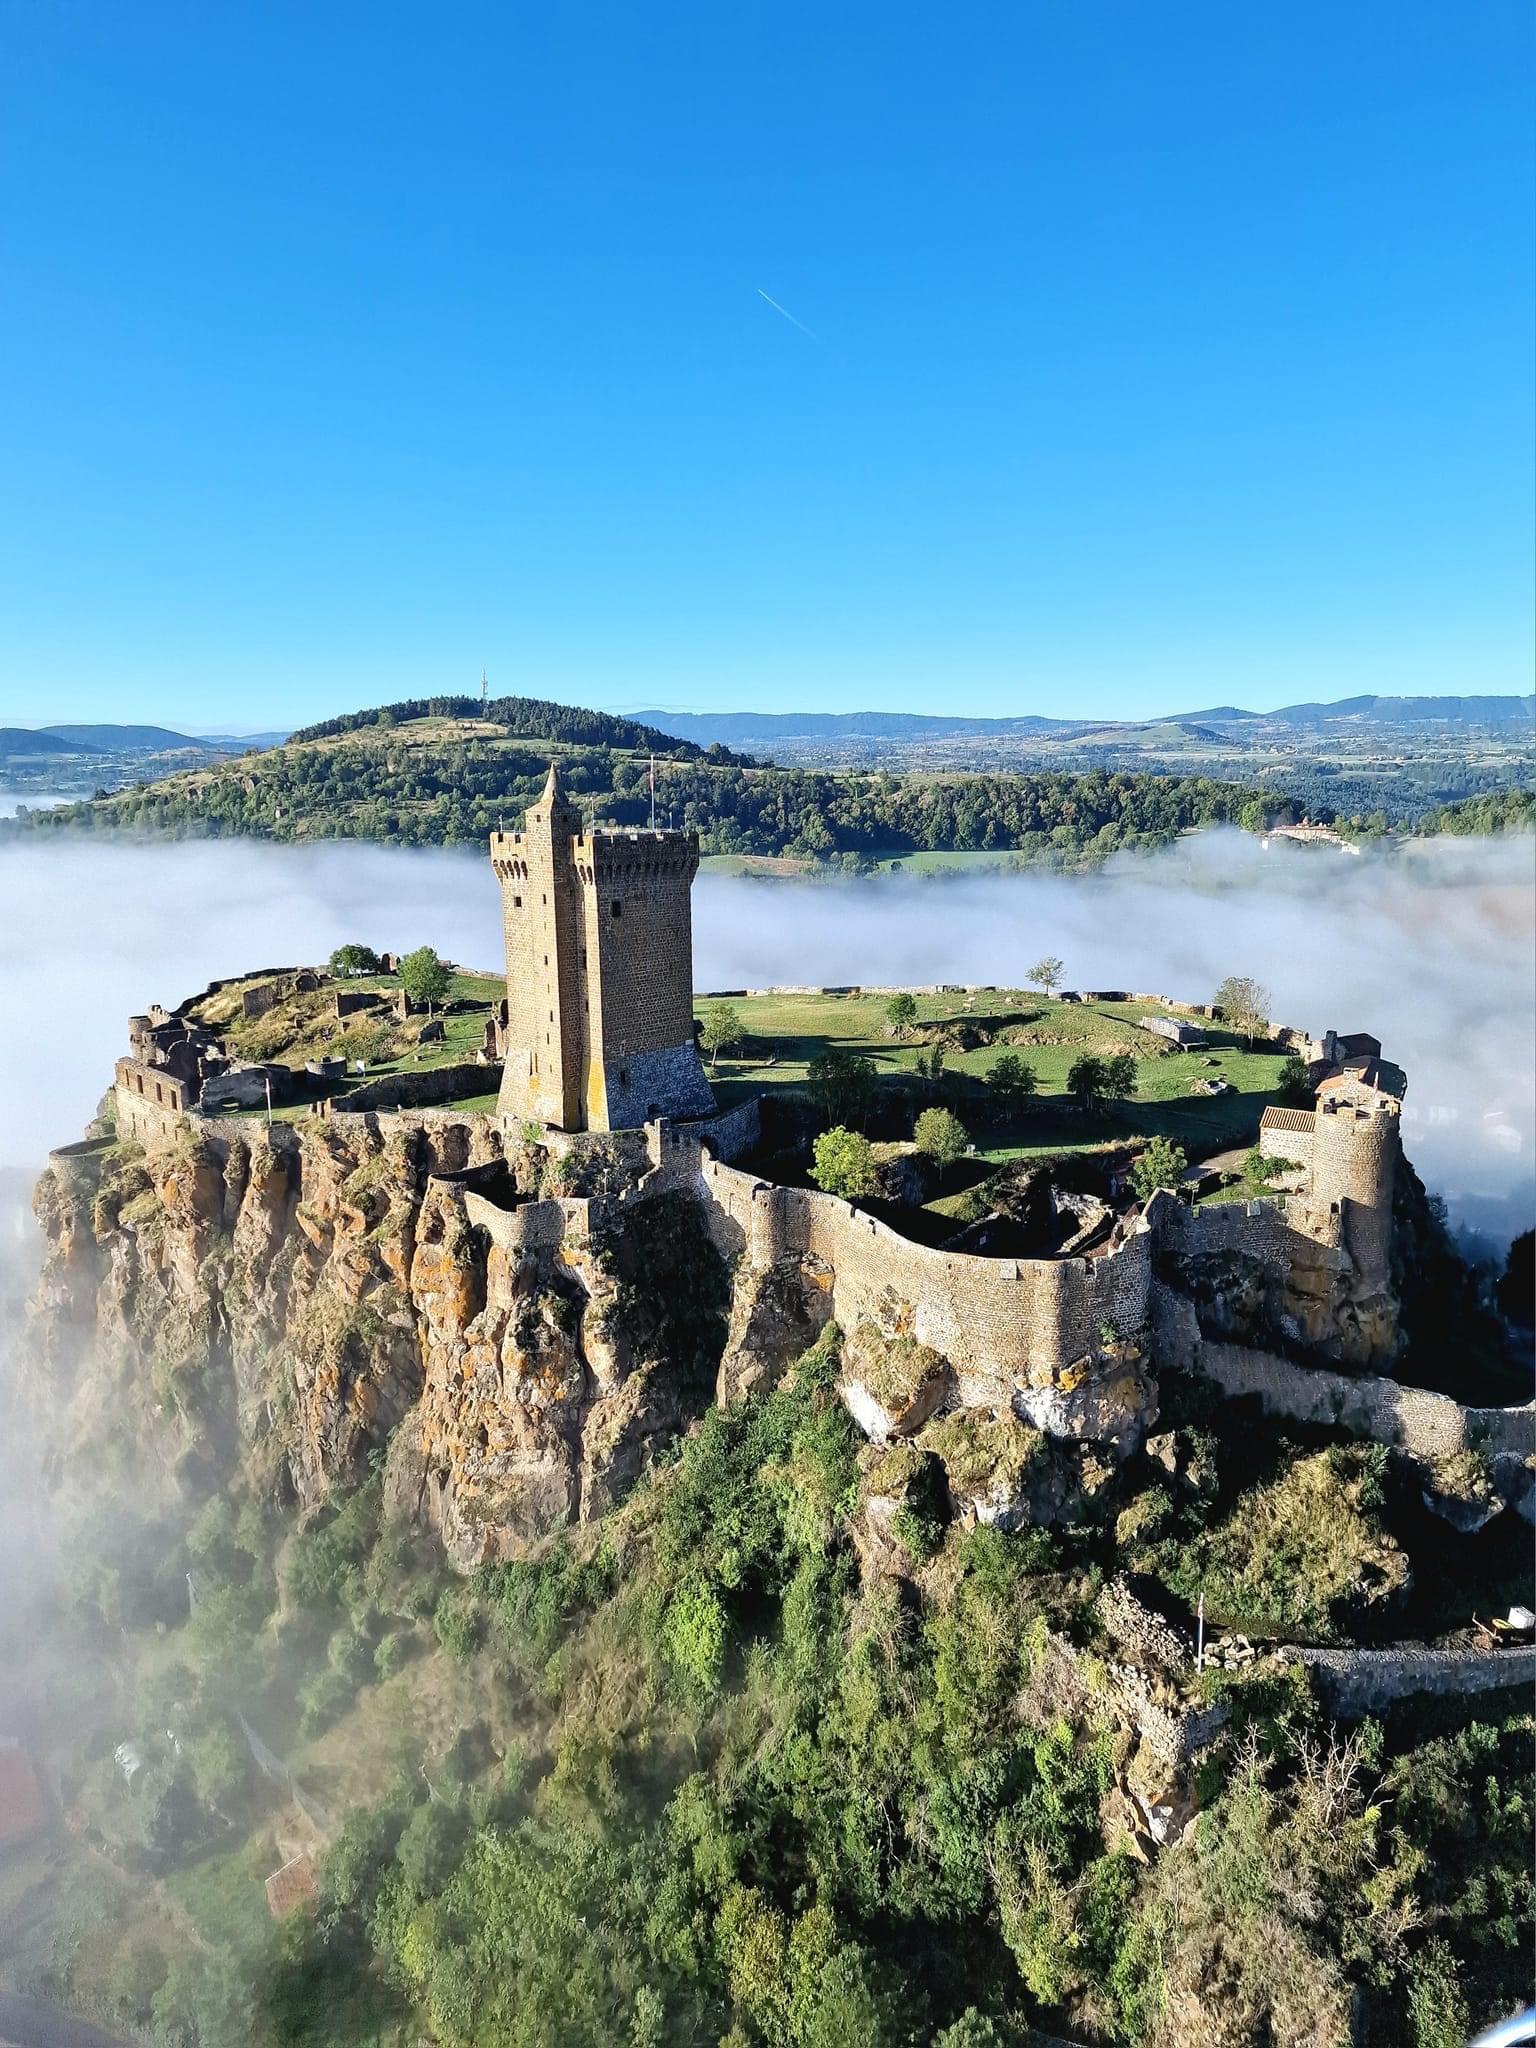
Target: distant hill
{"type": "Point", "coordinates": [241, 742]}
{"type": "Point", "coordinates": [1462, 711]}
{"type": "Point", "coordinates": [732, 727]}
{"type": "Point", "coordinates": [16, 740]}
{"type": "Point", "coordinates": [708, 728]}
{"type": "Point", "coordinates": [128, 739]}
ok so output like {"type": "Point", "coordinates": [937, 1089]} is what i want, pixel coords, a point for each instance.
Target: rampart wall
{"type": "Point", "coordinates": [999, 1321]}
{"type": "Point", "coordinates": [1355, 1682]}
{"type": "Point", "coordinates": [1411, 1419]}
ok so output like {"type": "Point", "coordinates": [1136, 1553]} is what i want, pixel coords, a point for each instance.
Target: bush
{"type": "Point", "coordinates": [323, 1567]}
{"type": "Point", "coordinates": [392, 1653]}
{"type": "Point", "coordinates": [323, 1696]}
{"type": "Point", "coordinates": [459, 1623]}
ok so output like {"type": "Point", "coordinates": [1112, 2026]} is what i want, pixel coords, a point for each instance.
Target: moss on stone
{"type": "Point", "coordinates": [978, 1448]}
{"type": "Point", "coordinates": [893, 1369]}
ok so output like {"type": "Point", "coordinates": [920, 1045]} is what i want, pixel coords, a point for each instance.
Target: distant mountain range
{"type": "Point", "coordinates": [58, 740]}
{"type": "Point", "coordinates": [732, 728]}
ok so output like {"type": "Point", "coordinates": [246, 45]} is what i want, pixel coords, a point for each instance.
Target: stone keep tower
{"type": "Point", "coordinates": [599, 939]}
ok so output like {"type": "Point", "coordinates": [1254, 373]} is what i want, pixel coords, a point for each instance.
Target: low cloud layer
{"type": "Point", "coordinates": [1435, 951]}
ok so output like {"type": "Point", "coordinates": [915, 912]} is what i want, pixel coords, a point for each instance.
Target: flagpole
{"type": "Point", "coordinates": [653, 792]}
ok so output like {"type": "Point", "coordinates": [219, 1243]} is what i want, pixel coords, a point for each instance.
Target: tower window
{"type": "Point", "coordinates": [616, 907]}
{"type": "Point", "coordinates": [517, 902]}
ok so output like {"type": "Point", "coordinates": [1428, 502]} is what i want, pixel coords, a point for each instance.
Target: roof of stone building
{"type": "Point", "coordinates": [1365, 1071]}
{"type": "Point", "coordinates": [1275, 1119]}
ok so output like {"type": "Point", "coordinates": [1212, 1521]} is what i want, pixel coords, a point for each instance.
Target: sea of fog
{"type": "Point", "coordinates": [1433, 949]}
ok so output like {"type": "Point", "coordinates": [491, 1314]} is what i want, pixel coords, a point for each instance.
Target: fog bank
{"type": "Point", "coordinates": [1434, 950]}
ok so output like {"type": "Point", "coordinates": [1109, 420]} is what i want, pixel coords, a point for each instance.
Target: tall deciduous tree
{"type": "Point", "coordinates": [1046, 974]}
{"type": "Point", "coordinates": [1012, 1082]}
{"type": "Point", "coordinates": [940, 1133]}
{"type": "Point", "coordinates": [424, 977]}
{"type": "Point", "coordinates": [901, 1012]}
{"type": "Point", "coordinates": [1245, 1003]}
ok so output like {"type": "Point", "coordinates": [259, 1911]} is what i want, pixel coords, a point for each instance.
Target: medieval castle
{"type": "Point", "coordinates": [603, 1109]}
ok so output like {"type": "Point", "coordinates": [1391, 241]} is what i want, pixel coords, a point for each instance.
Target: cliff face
{"type": "Point", "coordinates": [288, 1299]}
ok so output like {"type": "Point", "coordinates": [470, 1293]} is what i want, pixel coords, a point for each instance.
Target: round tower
{"type": "Point", "coordinates": [1354, 1164]}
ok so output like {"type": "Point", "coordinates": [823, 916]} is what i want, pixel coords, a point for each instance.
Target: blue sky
{"type": "Point", "coordinates": [1159, 356]}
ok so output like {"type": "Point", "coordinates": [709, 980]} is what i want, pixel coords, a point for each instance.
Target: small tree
{"type": "Point", "coordinates": [1162, 1165]}
{"type": "Point", "coordinates": [842, 1084]}
{"type": "Point", "coordinates": [844, 1164]}
{"type": "Point", "coordinates": [1245, 1003]}
{"type": "Point", "coordinates": [722, 1028]}
{"type": "Point", "coordinates": [1294, 1085]}
{"type": "Point", "coordinates": [424, 977]}
{"type": "Point", "coordinates": [1120, 1077]}
{"type": "Point", "coordinates": [1087, 1082]}
{"type": "Point", "coordinates": [1012, 1082]}
{"type": "Point", "coordinates": [901, 1012]}
{"type": "Point", "coordinates": [1045, 975]}
{"type": "Point", "coordinates": [940, 1133]}
{"type": "Point", "coordinates": [929, 1069]}
{"type": "Point", "coordinates": [354, 959]}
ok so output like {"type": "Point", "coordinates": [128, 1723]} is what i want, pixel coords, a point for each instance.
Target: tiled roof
{"type": "Point", "coordinates": [1288, 1120]}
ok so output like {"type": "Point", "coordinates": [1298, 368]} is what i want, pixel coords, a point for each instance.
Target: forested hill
{"type": "Point", "coordinates": [418, 775]}
{"type": "Point", "coordinates": [436, 780]}
{"type": "Point", "coordinates": [528, 718]}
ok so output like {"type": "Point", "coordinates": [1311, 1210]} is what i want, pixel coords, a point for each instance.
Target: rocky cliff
{"type": "Point", "coordinates": [288, 1298]}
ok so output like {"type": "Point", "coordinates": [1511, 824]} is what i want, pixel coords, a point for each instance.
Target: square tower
{"type": "Point", "coordinates": [599, 938]}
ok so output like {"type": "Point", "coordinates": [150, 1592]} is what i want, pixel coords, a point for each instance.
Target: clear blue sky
{"type": "Point", "coordinates": [1159, 355]}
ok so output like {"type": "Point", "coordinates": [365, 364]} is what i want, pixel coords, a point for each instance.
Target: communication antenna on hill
{"type": "Point", "coordinates": [485, 691]}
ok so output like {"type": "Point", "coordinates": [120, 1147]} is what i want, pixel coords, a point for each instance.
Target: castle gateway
{"type": "Point", "coordinates": [599, 937]}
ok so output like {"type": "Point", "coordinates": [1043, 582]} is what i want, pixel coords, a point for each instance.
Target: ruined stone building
{"type": "Point", "coordinates": [599, 939]}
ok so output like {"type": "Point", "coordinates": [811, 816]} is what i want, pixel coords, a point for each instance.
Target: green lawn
{"type": "Point", "coordinates": [784, 1033]}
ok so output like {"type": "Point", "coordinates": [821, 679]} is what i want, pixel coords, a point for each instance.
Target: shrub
{"type": "Point", "coordinates": [459, 1623]}
{"type": "Point", "coordinates": [694, 1635]}
{"type": "Point", "coordinates": [392, 1652]}
{"type": "Point", "coordinates": [324, 1695]}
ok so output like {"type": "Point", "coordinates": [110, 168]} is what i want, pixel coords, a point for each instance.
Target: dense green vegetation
{"type": "Point", "coordinates": [701, 1776]}
{"type": "Point", "coordinates": [1497, 810]}
{"type": "Point", "coordinates": [434, 771]}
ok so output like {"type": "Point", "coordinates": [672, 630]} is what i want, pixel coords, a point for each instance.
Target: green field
{"type": "Point", "coordinates": [785, 1033]}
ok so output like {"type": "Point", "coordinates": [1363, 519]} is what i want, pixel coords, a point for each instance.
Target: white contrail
{"type": "Point", "coordinates": [788, 316]}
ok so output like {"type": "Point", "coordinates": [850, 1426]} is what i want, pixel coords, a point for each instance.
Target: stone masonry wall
{"type": "Point", "coordinates": [999, 1321]}
{"type": "Point", "coordinates": [1355, 1682]}
{"type": "Point", "coordinates": [1408, 1418]}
